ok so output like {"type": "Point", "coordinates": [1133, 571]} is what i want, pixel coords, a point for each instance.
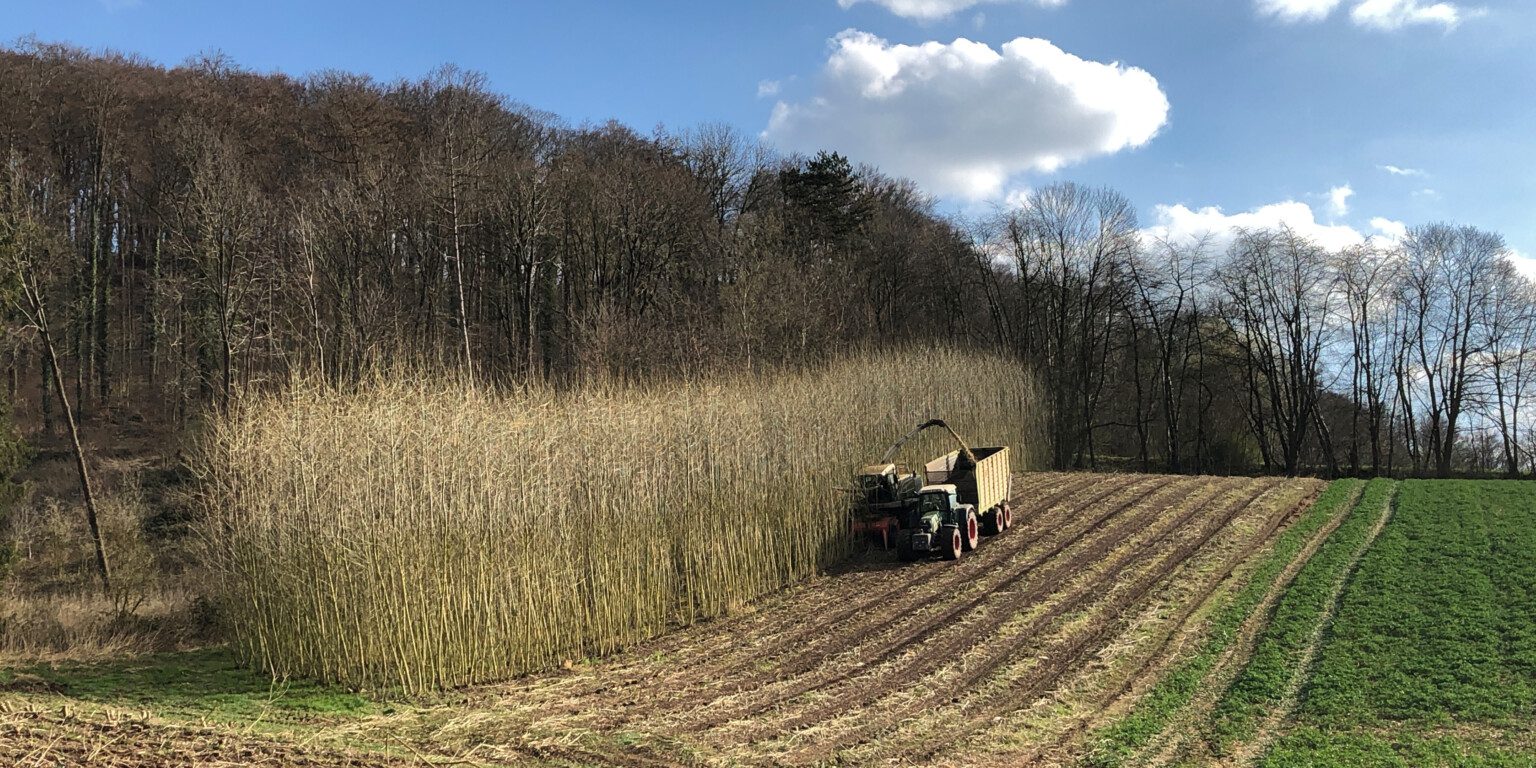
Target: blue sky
{"type": "Point", "coordinates": [1265, 109]}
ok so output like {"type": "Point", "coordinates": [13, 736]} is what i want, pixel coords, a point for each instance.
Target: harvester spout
{"type": "Point", "coordinates": [896, 446]}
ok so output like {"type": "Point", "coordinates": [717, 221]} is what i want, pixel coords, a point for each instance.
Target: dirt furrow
{"type": "Point", "coordinates": [900, 623]}
{"type": "Point", "coordinates": [936, 629]}
{"type": "Point", "coordinates": [1052, 665]}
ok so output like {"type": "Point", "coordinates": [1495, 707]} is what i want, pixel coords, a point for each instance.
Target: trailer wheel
{"type": "Point", "coordinates": [1006, 513]}
{"type": "Point", "coordinates": [992, 521]}
{"type": "Point", "coordinates": [972, 530]}
{"type": "Point", "coordinates": [952, 544]}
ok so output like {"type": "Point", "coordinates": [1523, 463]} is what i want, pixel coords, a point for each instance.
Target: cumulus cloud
{"type": "Point", "coordinates": [1397, 171]}
{"type": "Point", "coordinates": [1298, 10]}
{"type": "Point", "coordinates": [962, 118]}
{"type": "Point", "coordinates": [1338, 199]}
{"type": "Point", "coordinates": [1179, 223]}
{"type": "Point", "coordinates": [937, 9]}
{"type": "Point", "coordinates": [1389, 229]}
{"type": "Point", "coordinates": [1386, 15]}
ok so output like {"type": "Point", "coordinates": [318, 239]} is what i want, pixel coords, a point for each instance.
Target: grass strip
{"type": "Point", "coordinates": [1282, 647]}
{"type": "Point", "coordinates": [1153, 713]}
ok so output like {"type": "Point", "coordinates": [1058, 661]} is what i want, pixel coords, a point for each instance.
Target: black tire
{"type": "Point", "coordinates": [904, 550]}
{"type": "Point", "coordinates": [949, 540]}
{"type": "Point", "coordinates": [970, 530]}
{"type": "Point", "coordinates": [992, 521]}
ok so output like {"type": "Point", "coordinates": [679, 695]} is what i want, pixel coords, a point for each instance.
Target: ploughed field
{"type": "Point", "coordinates": [1124, 620]}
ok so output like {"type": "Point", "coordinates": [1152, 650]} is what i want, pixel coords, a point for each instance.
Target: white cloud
{"type": "Point", "coordinates": [1395, 14]}
{"type": "Point", "coordinates": [1298, 10]}
{"type": "Point", "coordinates": [1179, 223]}
{"type": "Point", "coordinates": [1338, 199]}
{"type": "Point", "coordinates": [1524, 264]}
{"type": "Point", "coordinates": [961, 118]}
{"type": "Point", "coordinates": [1386, 15]}
{"type": "Point", "coordinates": [1389, 229]}
{"type": "Point", "coordinates": [1396, 171]}
{"type": "Point", "coordinates": [937, 9]}
{"type": "Point", "coordinates": [766, 88]}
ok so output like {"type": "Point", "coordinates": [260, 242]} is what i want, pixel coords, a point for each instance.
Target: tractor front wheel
{"type": "Point", "coordinates": [949, 539]}
{"type": "Point", "coordinates": [971, 529]}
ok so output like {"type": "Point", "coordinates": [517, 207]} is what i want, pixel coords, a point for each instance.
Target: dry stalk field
{"type": "Point", "coordinates": [412, 537]}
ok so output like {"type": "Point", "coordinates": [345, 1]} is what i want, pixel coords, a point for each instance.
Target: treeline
{"type": "Point", "coordinates": [218, 229]}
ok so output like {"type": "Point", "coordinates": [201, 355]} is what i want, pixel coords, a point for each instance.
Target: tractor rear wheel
{"type": "Point", "coordinates": [949, 540]}
{"type": "Point", "coordinates": [972, 530]}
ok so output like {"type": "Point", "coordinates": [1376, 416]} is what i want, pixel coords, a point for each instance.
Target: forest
{"type": "Point", "coordinates": [174, 238]}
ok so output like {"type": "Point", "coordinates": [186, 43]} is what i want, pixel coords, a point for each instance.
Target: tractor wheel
{"type": "Point", "coordinates": [904, 550]}
{"type": "Point", "coordinates": [1005, 512]}
{"type": "Point", "coordinates": [949, 539]}
{"type": "Point", "coordinates": [892, 535]}
{"type": "Point", "coordinates": [971, 530]}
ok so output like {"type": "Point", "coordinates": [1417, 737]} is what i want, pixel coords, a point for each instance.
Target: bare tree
{"type": "Point", "coordinates": [23, 243]}
{"type": "Point", "coordinates": [1279, 292]}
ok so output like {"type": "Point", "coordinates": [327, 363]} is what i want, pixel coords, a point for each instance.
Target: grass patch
{"type": "Point", "coordinates": [209, 684]}
{"type": "Point", "coordinates": [1173, 692]}
{"type": "Point", "coordinates": [1438, 627]}
{"type": "Point", "coordinates": [1311, 746]}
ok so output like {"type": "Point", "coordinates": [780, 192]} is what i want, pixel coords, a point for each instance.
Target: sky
{"type": "Point", "coordinates": [1345, 119]}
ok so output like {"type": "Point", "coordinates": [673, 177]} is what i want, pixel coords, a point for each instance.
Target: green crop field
{"type": "Point", "coordinates": [1432, 655]}
{"type": "Point", "coordinates": [1406, 637]}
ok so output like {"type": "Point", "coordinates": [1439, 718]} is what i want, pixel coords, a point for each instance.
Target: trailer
{"type": "Point", "coordinates": [981, 479]}
{"type": "Point", "coordinates": [965, 496]}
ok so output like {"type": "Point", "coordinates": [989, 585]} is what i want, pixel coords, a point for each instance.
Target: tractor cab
{"type": "Point", "coordinates": [936, 505]}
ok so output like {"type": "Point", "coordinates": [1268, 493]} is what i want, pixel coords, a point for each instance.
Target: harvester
{"type": "Point", "coordinates": [958, 497]}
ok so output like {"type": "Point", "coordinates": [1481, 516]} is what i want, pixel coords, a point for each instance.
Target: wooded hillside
{"type": "Point", "coordinates": [214, 229]}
